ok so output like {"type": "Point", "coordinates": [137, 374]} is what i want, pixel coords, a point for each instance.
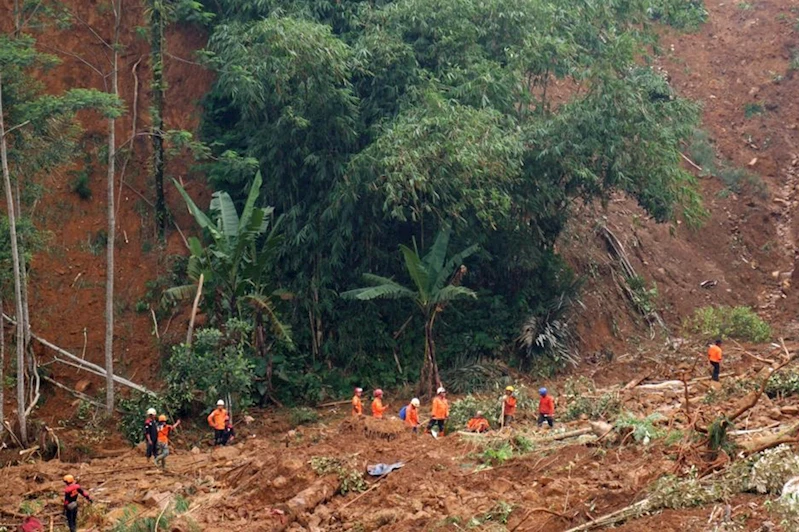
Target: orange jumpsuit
{"type": "Point", "coordinates": [477, 424]}
{"type": "Point", "coordinates": [412, 416]}
{"type": "Point", "coordinates": [357, 406]}
{"type": "Point", "coordinates": [378, 408]}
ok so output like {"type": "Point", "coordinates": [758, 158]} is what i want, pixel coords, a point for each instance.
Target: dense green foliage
{"type": "Point", "coordinates": [741, 323]}
{"type": "Point", "coordinates": [375, 124]}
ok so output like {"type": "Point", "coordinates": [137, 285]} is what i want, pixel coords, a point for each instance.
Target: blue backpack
{"type": "Point", "coordinates": [403, 412]}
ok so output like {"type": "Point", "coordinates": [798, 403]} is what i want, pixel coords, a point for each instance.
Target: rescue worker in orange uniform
{"type": "Point", "coordinates": [216, 420]}
{"type": "Point", "coordinates": [508, 406]}
{"type": "Point", "coordinates": [440, 411]}
{"type": "Point", "coordinates": [412, 415]}
{"type": "Point", "coordinates": [714, 356]}
{"type": "Point", "coordinates": [546, 408]}
{"type": "Point", "coordinates": [357, 404]}
{"type": "Point", "coordinates": [478, 423]}
{"type": "Point", "coordinates": [71, 492]}
{"type": "Point", "coordinates": [164, 430]}
{"type": "Point", "coordinates": [377, 405]}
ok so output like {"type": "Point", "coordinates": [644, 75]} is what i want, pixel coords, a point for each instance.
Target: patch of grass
{"type": "Point", "coordinates": [142, 306]}
{"type": "Point", "coordinates": [702, 151]}
{"type": "Point", "coordinates": [794, 63]}
{"type": "Point", "coordinates": [97, 242]}
{"type": "Point", "coordinates": [729, 322]}
{"type": "Point", "coordinates": [495, 456]}
{"type": "Point", "coordinates": [498, 514]}
{"type": "Point", "coordinates": [752, 109]}
{"type": "Point", "coordinates": [681, 14]}
{"type": "Point", "coordinates": [303, 416]}
{"type": "Point", "coordinates": [739, 179]}
{"type": "Point", "coordinates": [745, 6]}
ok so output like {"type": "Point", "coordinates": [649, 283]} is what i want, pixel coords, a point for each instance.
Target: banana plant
{"type": "Point", "coordinates": [436, 282]}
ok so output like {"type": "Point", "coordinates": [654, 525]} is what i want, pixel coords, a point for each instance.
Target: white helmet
{"type": "Point", "coordinates": [220, 403]}
{"type": "Point", "coordinates": [151, 412]}
{"type": "Point", "coordinates": [415, 402]}
{"type": "Point", "coordinates": [441, 390]}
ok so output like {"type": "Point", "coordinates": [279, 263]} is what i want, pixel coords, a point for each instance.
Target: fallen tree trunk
{"type": "Point", "coordinates": [308, 499]}
{"type": "Point", "coordinates": [81, 396]}
{"type": "Point", "coordinates": [786, 436]}
{"type": "Point", "coordinates": [97, 370]}
{"type": "Point", "coordinates": [613, 518]}
{"type": "Point", "coordinates": [570, 434]}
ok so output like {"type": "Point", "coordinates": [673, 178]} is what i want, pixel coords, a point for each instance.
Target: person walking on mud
{"type": "Point", "coordinates": [164, 430]}
{"type": "Point", "coordinates": [440, 412]}
{"type": "Point", "coordinates": [714, 356]}
{"type": "Point", "coordinates": [151, 432]}
{"type": "Point", "coordinates": [71, 492]}
{"type": "Point", "coordinates": [217, 420]}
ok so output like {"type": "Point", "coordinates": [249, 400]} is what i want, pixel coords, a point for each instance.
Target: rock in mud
{"type": "Point", "coordinates": [225, 453]}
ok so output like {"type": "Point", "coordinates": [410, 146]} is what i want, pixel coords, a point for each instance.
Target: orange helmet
{"type": "Point", "coordinates": [162, 417]}
{"type": "Point", "coordinates": [69, 479]}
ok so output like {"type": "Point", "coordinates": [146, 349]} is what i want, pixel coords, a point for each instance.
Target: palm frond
{"type": "Point", "coordinates": [280, 329]}
{"type": "Point", "coordinates": [449, 293]}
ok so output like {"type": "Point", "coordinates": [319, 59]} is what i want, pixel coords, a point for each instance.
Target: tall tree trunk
{"type": "Point", "coordinates": [157, 58]}
{"type": "Point", "coordinates": [109, 275]}
{"type": "Point", "coordinates": [429, 380]}
{"type": "Point", "coordinates": [2, 366]}
{"type": "Point", "coordinates": [12, 226]}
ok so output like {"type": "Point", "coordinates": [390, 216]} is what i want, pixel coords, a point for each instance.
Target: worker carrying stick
{"type": "Point", "coordinates": [71, 492]}
{"type": "Point", "coordinates": [412, 415]}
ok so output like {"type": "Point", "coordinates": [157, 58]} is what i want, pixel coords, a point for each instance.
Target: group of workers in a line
{"type": "Point", "coordinates": [440, 411]}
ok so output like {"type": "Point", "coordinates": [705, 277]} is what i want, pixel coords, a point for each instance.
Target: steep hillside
{"type": "Point", "coordinates": [741, 65]}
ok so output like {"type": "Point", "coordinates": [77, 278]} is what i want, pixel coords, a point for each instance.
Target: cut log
{"type": "Point", "coordinates": [83, 363]}
{"type": "Point", "coordinates": [308, 499]}
{"type": "Point", "coordinates": [570, 434]}
{"type": "Point", "coordinates": [636, 381]}
{"type": "Point", "coordinates": [786, 436]}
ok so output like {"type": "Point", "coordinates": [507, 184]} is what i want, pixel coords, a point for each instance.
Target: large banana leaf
{"type": "Point", "coordinates": [228, 219]}
{"type": "Point", "coordinates": [454, 262]}
{"type": "Point", "coordinates": [418, 272]}
{"type": "Point", "coordinates": [280, 329]}
{"type": "Point", "coordinates": [383, 288]}
{"type": "Point", "coordinates": [434, 260]}
{"type": "Point", "coordinates": [201, 218]}
{"type": "Point", "coordinates": [449, 293]}
{"type": "Point", "coordinates": [252, 197]}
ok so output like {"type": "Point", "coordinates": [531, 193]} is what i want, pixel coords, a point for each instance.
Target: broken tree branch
{"type": "Point", "coordinates": [88, 366]}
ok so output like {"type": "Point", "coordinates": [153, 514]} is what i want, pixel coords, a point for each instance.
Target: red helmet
{"type": "Point", "coordinates": [378, 393]}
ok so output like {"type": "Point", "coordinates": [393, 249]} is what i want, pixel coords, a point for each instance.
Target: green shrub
{"type": "Point", "coordinates": [680, 14]}
{"type": "Point", "coordinates": [80, 185]}
{"type": "Point", "coordinates": [739, 179]}
{"type": "Point", "coordinates": [752, 109]}
{"type": "Point", "coordinates": [303, 416]}
{"type": "Point", "coordinates": [582, 401]}
{"type": "Point", "coordinates": [783, 384]}
{"type": "Point", "coordinates": [215, 366]}
{"type": "Point", "coordinates": [351, 478]}
{"type": "Point", "coordinates": [133, 411]}
{"type": "Point", "coordinates": [498, 455]}
{"type": "Point", "coordinates": [643, 429]}
{"type": "Point", "coordinates": [729, 322]}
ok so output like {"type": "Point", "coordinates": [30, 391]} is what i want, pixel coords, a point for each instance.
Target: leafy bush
{"type": "Point", "coordinates": [681, 14]}
{"type": "Point", "coordinates": [498, 455]}
{"type": "Point", "coordinates": [738, 179]}
{"type": "Point", "coordinates": [303, 416]}
{"type": "Point", "coordinates": [783, 384]}
{"type": "Point", "coordinates": [215, 366]}
{"type": "Point", "coordinates": [351, 478]}
{"type": "Point", "coordinates": [134, 410]}
{"type": "Point", "coordinates": [582, 401]}
{"type": "Point", "coordinates": [80, 185]}
{"type": "Point", "coordinates": [771, 469]}
{"type": "Point", "coordinates": [474, 377]}
{"type": "Point", "coordinates": [674, 492]}
{"type": "Point", "coordinates": [643, 429]}
{"type": "Point", "coordinates": [729, 322]}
